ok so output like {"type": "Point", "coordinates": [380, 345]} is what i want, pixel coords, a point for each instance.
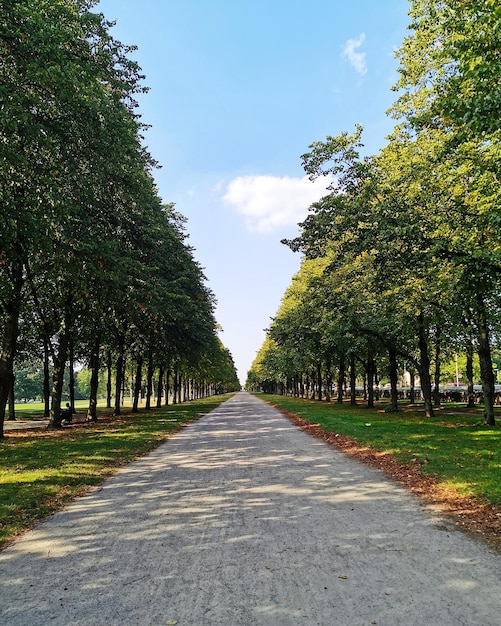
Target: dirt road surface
{"type": "Point", "coordinates": [243, 519]}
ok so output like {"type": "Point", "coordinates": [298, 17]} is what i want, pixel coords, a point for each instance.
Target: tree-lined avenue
{"type": "Point", "coordinates": [242, 518]}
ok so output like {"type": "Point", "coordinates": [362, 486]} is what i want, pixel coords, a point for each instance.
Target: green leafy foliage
{"type": "Point", "coordinates": [90, 256]}
{"type": "Point", "coordinates": [409, 238]}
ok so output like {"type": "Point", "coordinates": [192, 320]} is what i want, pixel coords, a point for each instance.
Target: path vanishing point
{"type": "Point", "coordinates": [243, 519]}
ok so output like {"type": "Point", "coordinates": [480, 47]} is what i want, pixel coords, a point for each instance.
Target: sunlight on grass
{"type": "Point", "coordinates": [41, 471]}
{"type": "Point", "coordinates": [19, 476]}
{"type": "Point", "coordinates": [455, 448]}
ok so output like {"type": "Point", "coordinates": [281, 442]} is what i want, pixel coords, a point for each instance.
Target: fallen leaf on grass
{"type": "Point", "coordinates": [473, 513]}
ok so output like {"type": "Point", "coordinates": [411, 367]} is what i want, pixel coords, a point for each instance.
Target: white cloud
{"type": "Point", "coordinates": [269, 202]}
{"type": "Point", "coordinates": [357, 59]}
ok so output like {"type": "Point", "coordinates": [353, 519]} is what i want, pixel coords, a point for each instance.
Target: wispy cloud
{"type": "Point", "coordinates": [269, 203]}
{"type": "Point", "coordinates": [356, 59]}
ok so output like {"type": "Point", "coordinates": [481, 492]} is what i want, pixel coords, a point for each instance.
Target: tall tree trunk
{"type": "Point", "coordinates": [71, 370]}
{"type": "Point", "coordinates": [319, 381]}
{"type": "Point", "coordinates": [137, 384]}
{"type": "Point", "coordinates": [175, 380]}
{"type": "Point", "coordinates": [328, 378]}
{"type": "Point", "coordinates": [46, 377]}
{"type": "Point", "coordinates": [94, 379]}
{"type": "Point", "coordinates": [485, 357]}
{"type": "Point", "coordinates": [124, 379]}
{"type": "Point", "coordinates": [436, 389]}
{"type": "Point", "coordinates": [160, 386]}
{"type": "Point", "coordinates": [487, 375]}
{"type": "Point", "coordinates": [119, 374]}
{"type": "Point", "coordinates": [371, 369]}
{"type": "Point", "coordinates": [424, 368]}
{"type": "Point", "coordinates": [168, 374]}
{"type": "Point", "coordinates": [9, 339]}
{"type": "Point", "coordinates": [12, 401]}
{"type": "Point", "coordinates": [59, 357]}
{"type": "Point", "coordinates": [469, 375]}
{"type": "Point", "coordinates": [149, 379]}
{"type": "Point", "coordinates": [392, 356]}
{"type": "Point", "coordinates": [353, 380]}
{"type": "Point", "coordinates": [109, 368]}
{"type": "Point", "coordinates": [340, 379]}
{"type": "Point", "coordinates": [412, 397]}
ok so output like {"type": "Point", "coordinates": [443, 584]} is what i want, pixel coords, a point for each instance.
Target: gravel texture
{"type": "Point", "coordinates": [244, 519]}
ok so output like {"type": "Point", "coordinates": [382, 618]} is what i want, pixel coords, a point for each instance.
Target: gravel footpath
{"type": "Point", "coordinates": [243, 519]}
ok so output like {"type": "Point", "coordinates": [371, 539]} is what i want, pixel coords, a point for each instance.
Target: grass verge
{"type": "Point", "coordinates": [41, 470]}
{"type": "Point", "coordinates": [451, 461]}
{"type": "Point", "coordinates": [455, 447]}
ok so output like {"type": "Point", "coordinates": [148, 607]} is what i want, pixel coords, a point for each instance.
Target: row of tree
{"type": "Point", "coordinates": [91, 260]}
{"type": "Point", "coordinates": [32, 380]}
{"type": "Point", "coordinates": [402, 259]}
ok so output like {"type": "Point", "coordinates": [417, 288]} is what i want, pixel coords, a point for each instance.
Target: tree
{"type": "Point", "coordinates": [413, 233]}
{"type": "Point", "coordinates": [452, 52]}
{"type": "Point", "coordinates": [80, 214]}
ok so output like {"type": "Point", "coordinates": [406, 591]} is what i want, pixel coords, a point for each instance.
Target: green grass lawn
{"type": "Point", "coordinates": [35, 410]}
{"type": "Point", "coordinates": [455, 446]}
{"type": "Point", "coordinates": [41, 470]}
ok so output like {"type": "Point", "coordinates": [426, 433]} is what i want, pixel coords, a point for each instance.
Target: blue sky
{"type": "Point", "coordinates": [238, 91]}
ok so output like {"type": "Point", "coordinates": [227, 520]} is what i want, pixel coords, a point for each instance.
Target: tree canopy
{"type": "Point", "coordinates": [409, 237]}
{"type": "Point", "coordinates": [92, 260]}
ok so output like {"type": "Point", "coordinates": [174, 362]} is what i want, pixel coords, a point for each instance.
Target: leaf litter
{"type": "Point", "coordinates": [469, 513]}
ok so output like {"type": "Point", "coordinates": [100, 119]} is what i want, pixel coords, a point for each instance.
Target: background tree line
{"type": "Point", "coordinates": [92, 263]}
{"type": "Point", "coordinates": [402, 259]}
